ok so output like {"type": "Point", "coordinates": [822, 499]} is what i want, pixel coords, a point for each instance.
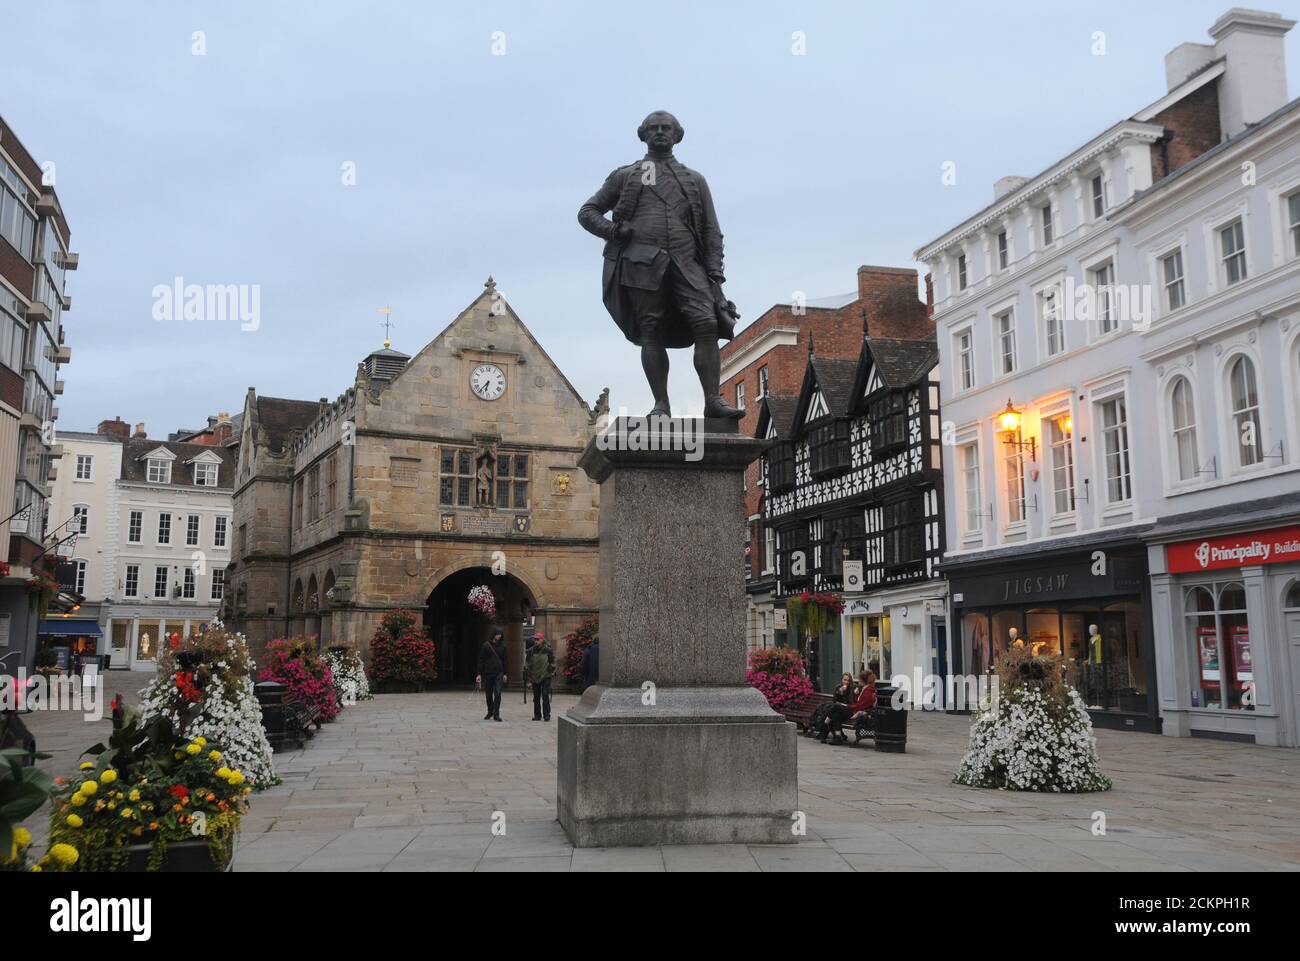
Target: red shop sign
{"type": "Point", "coordinates": [1277, 546]}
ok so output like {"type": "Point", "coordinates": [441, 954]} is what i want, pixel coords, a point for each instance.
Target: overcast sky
{"type": "Point", "coordinates": [228, 167]}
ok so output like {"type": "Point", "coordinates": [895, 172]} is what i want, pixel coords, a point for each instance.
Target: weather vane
{"type": "Point", "coordinates": [387, 323]}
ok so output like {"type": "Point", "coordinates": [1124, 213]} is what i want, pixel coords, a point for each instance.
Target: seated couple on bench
{"type": "Point", "coordinates": [852, 701]}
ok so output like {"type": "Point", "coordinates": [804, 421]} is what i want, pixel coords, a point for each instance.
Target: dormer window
{"type": "Point", "coordinates": [205, 475]}
{"type": "Point", "coordinates": [159, 471]}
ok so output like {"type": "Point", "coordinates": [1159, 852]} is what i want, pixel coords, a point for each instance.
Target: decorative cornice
{"type": "Point", "coordinates": [1116, 136]}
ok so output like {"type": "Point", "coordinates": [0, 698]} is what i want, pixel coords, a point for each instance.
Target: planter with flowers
{"type": "Point", "coordinates": [155, 798]}
{"type": "Point", "coordinates": [780, 674]}
{"type": "Point", "coordinates": [1036, 734]}
{"type": "Point", "coordinates": [24, 789]}
{"type": "Point", "coordinates": [205, 682]}
{"type": "Point", "coordinates": [295, 663]}
{"type": "Point", "coordinates": [401, 654]}
{"type": "Point", "coordinates": [575, 645]}
{"type": "Point", "coordinates": [350, 682]}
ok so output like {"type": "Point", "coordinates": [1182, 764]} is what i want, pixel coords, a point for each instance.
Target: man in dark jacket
{"type": "Point", "coordinates": [540, 664]}
{"type": "Point", "coordinates": [492, 673]}
{"type": "Point", "coordinates": [590, 664]}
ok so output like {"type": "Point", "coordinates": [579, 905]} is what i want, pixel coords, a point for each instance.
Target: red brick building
{"type": "Point", "coordinates": [770, 356]}
{"type": "Point", "coordinates": [34, 260]}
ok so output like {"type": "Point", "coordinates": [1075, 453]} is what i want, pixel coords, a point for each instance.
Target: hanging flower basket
{"type": "Point", "coordinates": [483, 600]}
{"type": "Point", "coordinates": [811, 613]}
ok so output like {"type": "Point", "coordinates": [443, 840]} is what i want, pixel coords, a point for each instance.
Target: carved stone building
{"type": "Point", "coordinates": [430, 475]}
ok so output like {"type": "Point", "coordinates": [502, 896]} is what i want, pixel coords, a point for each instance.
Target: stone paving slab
{"type": "Point", "coordinates": [419, 782]}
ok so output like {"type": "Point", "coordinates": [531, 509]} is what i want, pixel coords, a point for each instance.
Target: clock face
{"type": "Point", "coordinates": [487, 381]}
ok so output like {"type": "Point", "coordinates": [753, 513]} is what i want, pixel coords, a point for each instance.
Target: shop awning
{"type": "Point", "coordinates": [70, 627]}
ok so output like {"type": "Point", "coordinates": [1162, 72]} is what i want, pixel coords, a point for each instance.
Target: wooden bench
{"type": "Point", "coordinates": [800, 710]}
{"type": "Point", "coordinates": [298, 720]}
{"type": "Point", "coordinates": [863, 728]}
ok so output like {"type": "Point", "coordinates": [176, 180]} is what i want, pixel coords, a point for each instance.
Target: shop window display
{"type": "Point", "coordinates": [1102, 645]}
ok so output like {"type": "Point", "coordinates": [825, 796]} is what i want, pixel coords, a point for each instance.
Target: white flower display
{"type": "Point", "coordinates": [350, 680]}
{"type": "Point", "coordinates": [1036, 737]}
{"type": "Point", "coordinates": [229, 716]}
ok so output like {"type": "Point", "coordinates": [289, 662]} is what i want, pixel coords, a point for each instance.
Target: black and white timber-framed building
{"type": "Point", "coordinates": [853, 474]}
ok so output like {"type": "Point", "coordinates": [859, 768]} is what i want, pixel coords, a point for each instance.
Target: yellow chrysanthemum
{"type": "Point", "coordinates": [36, 868]}
{"type": "Point", "coordinates": [178, 754]}
{"type": "Point", "coordinates": [201, 741]}
{"type": "Point", "coordinates": [109, 776]}
{"type": "Point", "coordinates": [193, 749]}
{"type": "Point", "coordinates": [214, 755]}
{"type": "Point", "coordinates": [22, 837]}
{"type": "Point", "coordinates": [126, 812]}
{"type": "Point", "coordinates": [74, 821]}
{"type": "Point", "coordinates": [64, 855]}
{"type": "Point", "coordinates": [88, 788]}
{"type": "Point", "coordinates": [87, 765]}
{"type": "Point", "coordinates": [223, 772]}
{"type": "Point", "coordinates": [78, 800]}
{"type": "Point", "coordinates": [134, 796]}
{"type": "Point", "coordinates": [236, 778]}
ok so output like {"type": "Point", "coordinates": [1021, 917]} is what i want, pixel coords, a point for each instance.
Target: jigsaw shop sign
{"type": "Point", "coordinates": [1237, 550]}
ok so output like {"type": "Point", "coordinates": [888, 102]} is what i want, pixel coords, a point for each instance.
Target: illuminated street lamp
{"type": "Point", "coordinates": [1009, 420]}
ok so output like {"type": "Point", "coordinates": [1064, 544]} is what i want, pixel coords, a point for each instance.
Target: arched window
{"type": "Point", "coordinates": [1293, 597]}
{"type": "Point", "coordinates": [1245, 411]}
{"type": "Point", "coordinates": [297, 595]}
{"type": "Point", "coordinates": [329, 587]}
{"type": "Point", "coordinates": [1182, 418]}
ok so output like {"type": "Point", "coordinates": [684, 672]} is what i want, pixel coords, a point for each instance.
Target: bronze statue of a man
{"type": "Point", "coordinates": [663, 262]}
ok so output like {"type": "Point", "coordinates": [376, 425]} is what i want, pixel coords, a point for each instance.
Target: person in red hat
{"type": "Point", "coordinates": [540, 665]}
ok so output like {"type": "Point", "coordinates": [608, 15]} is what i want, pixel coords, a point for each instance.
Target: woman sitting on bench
{"type": "Point", "coordinates": [839, 713]}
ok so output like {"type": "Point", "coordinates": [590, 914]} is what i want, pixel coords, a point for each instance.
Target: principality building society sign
{"type": "Point", "coordinates": [1237, 550]}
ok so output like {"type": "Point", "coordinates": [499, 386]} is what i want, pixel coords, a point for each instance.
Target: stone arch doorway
{"type": "Point", "coordinates": [458, 631]}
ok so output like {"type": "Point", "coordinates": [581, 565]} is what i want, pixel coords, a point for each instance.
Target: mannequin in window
{"type": "Point", "coordinates": [1014, 637]}
{"type": "Point", "coordinates": [1096, 679]}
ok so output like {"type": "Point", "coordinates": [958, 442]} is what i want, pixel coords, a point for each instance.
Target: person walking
{"type": "Point", "coordinates": [590, 664]}
{"type": "Point", "coordinates": [540, 665]}
{"type": "Point", "coordinates": [492, 673]}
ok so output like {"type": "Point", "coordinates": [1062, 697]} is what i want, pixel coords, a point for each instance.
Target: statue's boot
{"type": "Point", "coordinates": [660, 409]}
{"type": "Point", "coordinates": [708, 364]}
{"type": "Point", "coordinates": [717, 407]}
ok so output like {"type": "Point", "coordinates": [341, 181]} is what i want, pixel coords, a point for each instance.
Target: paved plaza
{"type": "Point", "coordinates": [412, 782]}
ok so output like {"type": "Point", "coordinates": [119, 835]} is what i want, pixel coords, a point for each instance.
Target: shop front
{"type": "Point", "coordinates": [135, 636]}
{"type": "Point", "coordinates": [73, 639]}
{"type": "Point", "coordinates": [1089, 604]}
{"type": "Point", "coordinates": [1227, 614]}
{"type": "Point", "coordinates": [895, 633]}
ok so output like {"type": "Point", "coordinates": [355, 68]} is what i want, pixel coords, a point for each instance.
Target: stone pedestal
{"type": "Point", "coordinates": [672, 746]}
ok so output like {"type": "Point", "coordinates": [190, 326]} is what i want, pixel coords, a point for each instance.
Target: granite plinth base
{"type": "Point", "coordinates": [697, 766]}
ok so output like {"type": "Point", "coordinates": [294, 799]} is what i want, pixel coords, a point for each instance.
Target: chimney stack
{"type": "Point", "coordinates": [1254, 81]}
{"type": "Point", "coordinates": [116, 427]}
{"type": "Point", "coordinates": [139, 432]}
